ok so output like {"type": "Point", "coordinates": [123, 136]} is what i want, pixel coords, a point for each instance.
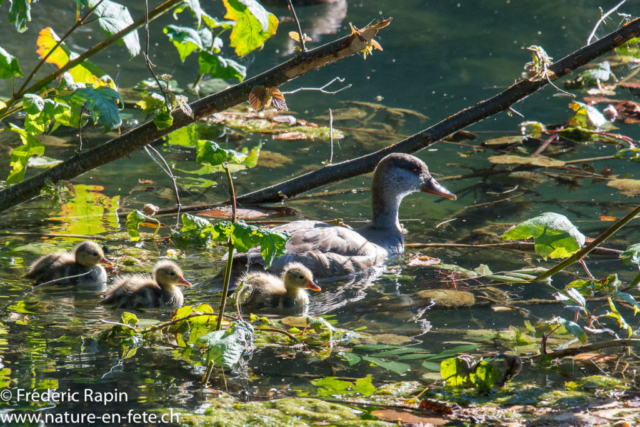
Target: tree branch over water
{"type": "Point", "coordinates": [148, 132]}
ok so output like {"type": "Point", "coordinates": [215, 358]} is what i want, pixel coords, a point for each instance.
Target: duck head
{"type": "Point", "coordinates": [167, 273]}
{"type": "Point", "coordinates": [395, 177]}
{"type": "Point", "coordinates": [89, 254]}
{"type": "Point", "coordinates": [296, 276]}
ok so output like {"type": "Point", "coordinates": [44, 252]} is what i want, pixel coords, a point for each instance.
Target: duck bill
{"type": "Point", "coordinates": [184, 281]}
{"type": "Point", "coordinates": [313, 287]}
{"type": "Point", "coordinates": [432, 187]}
{"type": "Point", "coordinates": [105, 261]}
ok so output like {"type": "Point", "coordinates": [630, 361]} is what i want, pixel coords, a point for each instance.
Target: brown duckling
{"type": "Point", "coordinates": [143, 290]}
{"type": "Point", "coordinates": [285, 294]}
{"type": "Point", "coordinates": [84, 258]}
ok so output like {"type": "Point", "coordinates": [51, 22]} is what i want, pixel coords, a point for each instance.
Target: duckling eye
{"type": "Point", "coordinates": [95, 254]}
{"type": "Point", "coordinates": [301, 277]}
{"type": "Point", "coordinates": [172, 273]}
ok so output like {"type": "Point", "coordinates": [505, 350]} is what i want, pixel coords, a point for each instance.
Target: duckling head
{"type": "Point", "coordinates": [297, 276]}
{"type": "Point", "coordinates": [89, 254]}
{"type": "Point", "coordinates": [168, 273]}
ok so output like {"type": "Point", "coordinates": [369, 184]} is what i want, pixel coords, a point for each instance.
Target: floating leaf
{"type": "Point", "coordinates": [397, 367]}
{"type": "Point", "coordinates": [114, 17]}
{"type": "Point", "coordinates": [211, 153]}
{"type": "Point", "coordinates": [331, 386]}
{"type": "Point", "coordinates": [20, 155]}
{"type": "Point", "coordinates": [519, 160]}
{"type": "Point", "coordinates": [605, 287]}
{"type": "Point", "coordinates": [254, 25]}
{"type": "Point", "coordinates": [86, 72]}
{"type": "Point", "coordinates": [628, 187]}
{"type": "Point", "coordinates": [583, 135]}
{"type": "Point", "coordinates": [629, 154]}
{"type": "Point", "coordinates": [220, 67]}
{"type": "Point", "coordinates": [9, 66]}
{"type": "Point", "coordinates": [554, 235]}
{"type": "Point", "coordinates": [586, 116]}
{"type": "Point", "coordinates": [225, 348]}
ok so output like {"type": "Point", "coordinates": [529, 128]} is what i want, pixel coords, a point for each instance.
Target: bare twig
{"type": "Point", "coordinates": [321, 89]}
{"type": "Point", "coordinates": [303, 49]}
{"type": "Point", "coordinates": [80, 124]}
{"type": "Point", "coordinates": [150, 64]}
{"type": "Point", "coordinates": [331, 134]}
{"type": "Point", "coordinates": [39, 286]}
{"type": "Point", "coordinates": [631, 342]}
{"type": "Point", "coordinates": [601, 20]}
{"type": "Point", "coordinates": [227, 273]}
{"type": "Point", "coordinates": [168, 171]}
{"type": "Point", "coordinates": [516, 113]}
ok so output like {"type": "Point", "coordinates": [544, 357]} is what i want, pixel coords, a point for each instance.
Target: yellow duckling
{"type": "Point", "coordinates": [284, 295]}
{"type": "Point", "coordinates": [86, 257]}
{"type": "Point", "coordinates": [143, 290]}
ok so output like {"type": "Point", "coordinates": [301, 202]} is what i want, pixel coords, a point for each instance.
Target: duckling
{"type": "Point", "coordinates": [285, 294]}
{"type": "Point", "coordinates": [84, 258]}
{"type": "Point", "coordinates": [143, 290]}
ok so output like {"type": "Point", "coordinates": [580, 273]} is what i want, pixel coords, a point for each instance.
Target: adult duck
{"type": "Point", "coordinates": [83, 259]}
{"type": "Point", "coordinates": [333, 251]}
{"type": "Point", "coordinates": [145, 291]}
{"type": "Point", "coordinates": [284, 295]}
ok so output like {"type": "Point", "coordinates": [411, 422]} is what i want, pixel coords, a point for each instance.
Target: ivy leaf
{"type": "Point", "coordinates": [227, 347]}
{"type": "Point", "coordinates": [185, 39]}
{"type": "Point", "coordinates": [331, 386]}
{"type": "Point", "coordinates": [102, 103]}
{"type": "Point", "coordinates": [19, 14]}
{"type": "Point", "coordinates": [211, 153]}
{"type": "Point", "coordinates": [114, 17]}
{"type": "Point", "coordinates": [20, 155]}
{"type": "Point", "coordinates": [86, 72]}
{"type": "Point", "coordinates": [220, 67]}
{"type": "Point", "coordinates": [631, 255]}
{"type": "Point", "coordinates": [554, 235]}
{"type": "Point", "coordinates": [9, 66]}
{"type": "Point", "coordinates": [254, 25]}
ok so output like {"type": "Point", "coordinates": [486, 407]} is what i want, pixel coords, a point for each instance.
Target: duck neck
{"type": "Point", "coordinates": [385, 203]}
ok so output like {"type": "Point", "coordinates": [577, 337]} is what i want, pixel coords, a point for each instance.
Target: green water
{"type": "Point", "coordinates": [439, 57]}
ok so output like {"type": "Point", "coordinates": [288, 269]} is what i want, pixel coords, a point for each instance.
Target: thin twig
{"type": "Point", "coordinates": [280, 331]}
{"type": "Point", "coordinates": [171, 175]}
{"type": "Point", "coordinates": [631, 342]}
{"type": "Point", "coordinates": [601, 20]}
{"type": "Point", "coordinates": [80, 124]}
{"type": "Point", "coordinates": [321, 89]}
{"type": "Point", "coordinates": [519, 245]}
{"type": "Point", "coordinates": [227, 273]}
{"type": "Point", "coordinates": [78, 24]}
{"type": "Point", "coordinates": [585, 250]}
{"type": "Point", "coordinates": [38, 286]}
{"type": "Point", "coordinates": [331, 134]}
{"type": "Point", "coordinates": [303, 49]}
{"type": "Point", "coordinates": [150, 64]}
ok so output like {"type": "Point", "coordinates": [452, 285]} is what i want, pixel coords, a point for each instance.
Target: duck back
{"type": "Point", "coordinates": [63, 264]}
{"type": "Point", "coordinates": [141, 291]}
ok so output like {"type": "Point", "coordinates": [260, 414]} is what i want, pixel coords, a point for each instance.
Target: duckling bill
{"type": "Point", "coordinates": [284, 295]}
{"type": "Point", "coordinates": [84, 258]}
{"type": "Point", "coordinates": [146, 291]}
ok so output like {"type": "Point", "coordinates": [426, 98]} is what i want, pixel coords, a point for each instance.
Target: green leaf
{"type": "Point", "coordinates": [573, 328]}
{"type": "Point", "coordinates": [586, 116]}
{"type": "Point", "coordinates": [374, 347]}
{"type": "Point", "coordinates": [456, 372]}
{"type": "Point", "coordinates": [194, 7]}
{"type": "Point", "coordinates": [190, 183]}
{"type": "Point", "coordinates": [254, 25]}
{"type": "Point", "coordinates": [220, 67]}
{"type": "Point", "coordinates": [272, 243]}
{"type": "Point", "coordinates": [631, 255]}
{"type": "Point", "coordinates": [185, 39]}
{"type": "Point", "coordinates": [20, 155]}
{"type": "Point", "coordinates": [554, 235]}
{"type": "Point", "coordinates": [41, 113]}
{"type": "Point", "coordinates": [19, 14]}
{"type": "Point", "coordinates": [582, 135]}
{"type": "Point", "coordinates": [332, 386]}
{"type": "Point", "coordinates": [186, 137]}
{"type": "Point", "coordinates": [351, 358]}
{"type": "Point", "coordinates": [129, 319]}
{"type": "Point", "coordinates": [102, 103]}
{"type": "Point", "coordinates": [211, 153]}
{"type": "Point", "coordinates": [630, 299]}
{"type": "Point", "coordinates": [606, 287]}
{"type": "Point", "coordinates": [486, 376]}
{"type": "Point", "coordinates": [227, 347]}
{"type": "Point", "coordinates": [454, 351]}
{"type": "Point", "coordinates": [432, 366]}
{"type": "Point", "coordinates": [114, 17]}
{"type": "Point", "coordinates": [163, 119]}
{"type": "Point", "coordinates": [9, 66]}
{"type": "Point", "coordinates": [397, 367]}
{"type": "Point", "coordinates": [133, 223]}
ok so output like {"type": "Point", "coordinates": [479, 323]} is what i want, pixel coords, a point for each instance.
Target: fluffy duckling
{"type": "Point", "coordinates": [143, 290]}
{"type": "Point", "coordinates": [84, 258]}
{"type": "Point", "coordinates": [284, 295]}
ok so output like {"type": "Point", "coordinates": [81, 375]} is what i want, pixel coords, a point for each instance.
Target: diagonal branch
{"type": "Point", "coordinates": [148, 132]}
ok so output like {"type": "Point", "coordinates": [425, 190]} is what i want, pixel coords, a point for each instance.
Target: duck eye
{"type": "Point", "coordinates": [172, 273]}
{"type": "Point", "coordinates": [95, 254]}
{"type": "Point", "coordinates": [301, 277]}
